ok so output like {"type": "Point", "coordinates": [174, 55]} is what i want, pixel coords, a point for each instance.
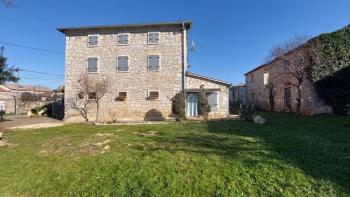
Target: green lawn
{"type": "Point", "coordinates": [290, 156]}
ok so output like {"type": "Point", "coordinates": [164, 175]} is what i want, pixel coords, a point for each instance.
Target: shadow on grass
{"type": "Point", "coordinates": [320, 146]}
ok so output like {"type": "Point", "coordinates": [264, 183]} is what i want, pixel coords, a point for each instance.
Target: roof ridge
{"type": "Point", "coordinates": [208, 78]}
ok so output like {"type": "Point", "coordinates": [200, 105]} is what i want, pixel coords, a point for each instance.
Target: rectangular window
{"type": "Point", "coordinates": [153, 62]}
{"type": "Point", "coordinates": [122, 96]}
{"type": "Point", "coordinates": [92, 65]}
{"type": "Point", "coordinates": [92, 95]}
{"type": "Point", "coordinates": [92, 40]}
{"type": "Point", "coordinates": [288, 97]}
{"type": "Point", "coordinates": [266, 78]}
{"type": "Point", "coordinates": [212, 99]}
{"type": "Point", "coordinates": [153, 95]}
{"type": "Point", "coordinates": [252, 78]}
{"type": "Point", "coordinates": [123, 63]}
{"type": "Point", "coordinates": [123, 39]}
{"type": "Point", "coordinates": [153, 37]}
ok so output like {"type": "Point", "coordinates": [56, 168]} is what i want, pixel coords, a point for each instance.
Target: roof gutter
{"type": "Point", "coordinates": [183, 57]}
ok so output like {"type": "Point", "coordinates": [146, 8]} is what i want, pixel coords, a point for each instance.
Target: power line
{"type": "Point", "coordinates": [38, 72]}
{"type": "Point", "coordinates": [52, 79]}
{"type": "Point", "coordinates": [32, 48]}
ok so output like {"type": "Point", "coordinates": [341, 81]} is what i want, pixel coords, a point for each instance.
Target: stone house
{"type": "Point", "coordinates": [146, 65]}
{"type": "Point", "coordinates": [284, 89]}
{"type": "Point", "coordinates": [8, 97]}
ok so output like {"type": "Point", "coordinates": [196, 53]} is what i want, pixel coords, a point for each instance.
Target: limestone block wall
{"type": "Point", "coordinates": [137, 82]}
{"type": "Point", "coordinates": [222, 110]}
{"type": "Point", "coordinates": [311, 104]}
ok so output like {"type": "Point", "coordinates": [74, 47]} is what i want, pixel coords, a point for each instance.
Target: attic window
{"type": "Point", "coordinates": [153, 37]}
{"type": "Point", "coordinates": [92, 40]}
{"type": "Point", "coordinates": [123, 39]}
{"type": "Point", "coordinates": [153, 95]}
{"type": "Point", "coordinates": [122, 96]}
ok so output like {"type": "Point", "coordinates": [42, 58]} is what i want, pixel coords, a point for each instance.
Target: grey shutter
{"type": "Point", "coordinates": [92, 65]}
{"type": "Point", "coordinates": [123, 63]}
{"type": "Point", "coordinates": [123, 38]}
{"type": "Point", "coordinates": [153, 62]}
{"type": "Point", "coordinates": [153, 37]}
{"type": "Point", "coordinates": [93, 40]}
{"type": "Point", "coordinates": [212, 99]}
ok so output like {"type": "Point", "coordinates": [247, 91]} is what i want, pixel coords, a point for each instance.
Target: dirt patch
{"type": "Point", "coordinates": [93, 145]}
{"type": "Point", "coordinates": [5, 143]}
{"type": "Point", "coordinates": [146, 133]}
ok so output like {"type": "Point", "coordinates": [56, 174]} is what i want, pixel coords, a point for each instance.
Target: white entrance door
{"type": "Point", "coordinates": [2, 106]}
{"type": "Point", "coordinates": [192, 104]}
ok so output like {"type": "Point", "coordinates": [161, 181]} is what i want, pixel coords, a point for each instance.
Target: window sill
{"type": "Point", "coordinates": [153, 43]}
{"type": "Point", "coordinates": [122, 44]}
{"type": "Point", "coordinates": [153, 70]}
{"type": "Point", "coordinates": [123, 71]}
{"type": "Point", "coordinates": [92, 72]}
{"type": "Point", "coordinates": [93, 46]}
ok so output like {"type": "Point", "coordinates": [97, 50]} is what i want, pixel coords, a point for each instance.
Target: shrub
{"type": "Point", "coordinates": [178, 106]}
{"type": "Point", "coordinates": [247, 112]}
{"type": "Point", "coordinates": [331, 69]}
{"type": "Point", "coordinates": [235, 107]}
{"type": "Point", "coordinates": [203, 104]}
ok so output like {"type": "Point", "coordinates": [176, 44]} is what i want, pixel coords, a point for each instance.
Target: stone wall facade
{"type": "Point", "coordinates": [137, 82]}
{"type": "Point", "coordinates": [194, 84]}
{"type": "Point", "coordinates": [258, 92]}
{"type": "Point", "coordinates": [10, 103]}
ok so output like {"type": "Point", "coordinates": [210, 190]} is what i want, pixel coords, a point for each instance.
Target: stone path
{"type": "Point", "coordinates": [14, 122]}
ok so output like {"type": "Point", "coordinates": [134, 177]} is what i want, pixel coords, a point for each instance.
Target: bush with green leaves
{"type": "Point", "coordinates": [330, 71]}
{"type": "Point", "coordinates": [178, 106]}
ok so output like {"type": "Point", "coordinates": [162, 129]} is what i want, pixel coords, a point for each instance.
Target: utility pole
{"type": "Point", "coordinates": [17, 95]}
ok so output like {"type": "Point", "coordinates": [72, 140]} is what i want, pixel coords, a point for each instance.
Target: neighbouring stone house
{"type": "Point", "coordinates": [146, 65]}
{"type": "Point", "coordinates": [8, 97]}
{"type": "Point", "coordinates": [284, 89]}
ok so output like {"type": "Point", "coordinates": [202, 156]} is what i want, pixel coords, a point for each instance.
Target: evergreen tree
{"type": "Point", "coordinates": [203, 104]}
{"type": "Point", "coordinates": [6, 73]}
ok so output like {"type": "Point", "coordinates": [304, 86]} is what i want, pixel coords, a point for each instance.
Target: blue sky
{"type": "Point", "coordinates": [231, 36]}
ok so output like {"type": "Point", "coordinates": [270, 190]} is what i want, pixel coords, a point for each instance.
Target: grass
{"type": "Point", "coordinates": [289, 156]}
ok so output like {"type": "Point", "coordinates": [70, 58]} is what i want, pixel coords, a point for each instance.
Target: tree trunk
{"type": "Point", "coordinates": [298, 99]}
{"type": "Point", "coordinates": [97, 110]}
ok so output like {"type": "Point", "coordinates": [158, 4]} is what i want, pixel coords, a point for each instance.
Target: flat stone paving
{"type": "Point", "coordinates": [25, 122]}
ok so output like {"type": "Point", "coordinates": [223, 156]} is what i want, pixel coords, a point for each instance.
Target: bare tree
{"type": "Point", "coordinates": [80, 102]}
{"type": "Point", "coordinates": [89, 89]}
{"type": "Point", "coordinates": [282, 48]}
{"type": "Point", "coordinates": [8, 3]}
{"type": "Point", "coordinates": [293, 67]}
{"type": "Point", "coordinates": [270, 86]}
{"type": "Point", "coordinates": [99, 88]}
{"type": "Point", "coordinates": [296, 67]}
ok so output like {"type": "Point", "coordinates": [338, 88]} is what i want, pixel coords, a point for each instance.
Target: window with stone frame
{"type": "Point", "coordinates": [122, 63]}
{"type": "Point", "coordinates": [122, 96]}
{"type": "Point", "coordinates": [153, 62]}
{"type": "Point", "coordinates": [93, 40]}
{"type": "Point", "coordinates": [123, 38]}
{"type": "Point", "coordinates": [153, 37]}
{"type": "Point", "coordinates": [212, 99]}
{"type": "Point", "coordinates": [152, 95]}
{"type": "Point", "coordinates": [92, 66]}
{"type": "Point", "coordinates": [266, 78]}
